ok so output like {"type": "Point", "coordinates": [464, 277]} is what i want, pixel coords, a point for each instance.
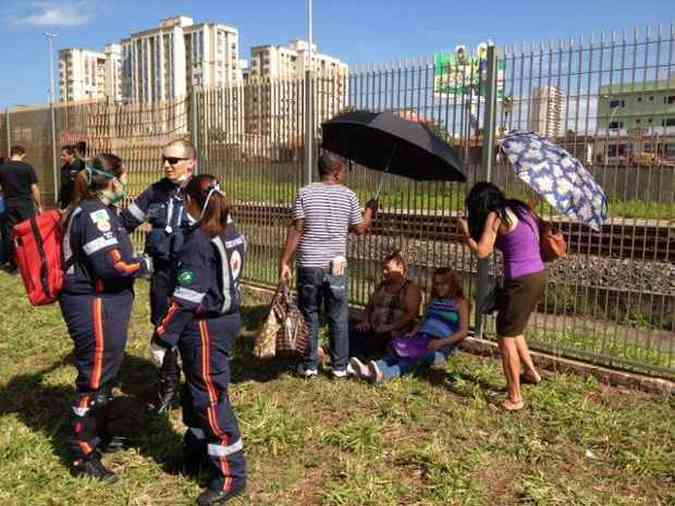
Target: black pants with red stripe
{"type": "Point", "coordinates": [98, 325]}
{"type": "Point", "coordinates": [205, 347]}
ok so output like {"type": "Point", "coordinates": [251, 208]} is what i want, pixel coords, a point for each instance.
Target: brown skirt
{"type": "Point", "coordinates": [518, 300]}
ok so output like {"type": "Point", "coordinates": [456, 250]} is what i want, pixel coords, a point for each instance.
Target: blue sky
{"type": "Point", "coordinates": [358, 31]}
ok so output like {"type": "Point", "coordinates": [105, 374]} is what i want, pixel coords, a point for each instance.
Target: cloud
{"type": "Point", "coordinates": [51, 13]}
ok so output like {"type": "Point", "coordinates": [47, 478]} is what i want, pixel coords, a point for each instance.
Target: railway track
{"type": "Point", "coordinates": [621, 238]}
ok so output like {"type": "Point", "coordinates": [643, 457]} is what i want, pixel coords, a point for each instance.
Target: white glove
{"type": "Point", "coordinates": [157, 352]}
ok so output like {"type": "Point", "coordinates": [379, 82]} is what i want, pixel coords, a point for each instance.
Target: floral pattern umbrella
{"type": "Point", "coordinates": [557, 176]}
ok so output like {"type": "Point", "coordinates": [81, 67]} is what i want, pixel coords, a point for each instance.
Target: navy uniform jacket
{"type": "Point", "coordinates": [97, 251]}
{"type": "Point", "coordinates": [209, 273]}
{"type": "Point", "coordinates": [161, 205]}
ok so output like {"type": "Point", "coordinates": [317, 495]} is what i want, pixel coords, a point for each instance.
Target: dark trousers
{"type": "Point", "coordinates": [317, 287]}
{"type": "Point", "coordinates": [205, 346]}
{"type": "Point", "coordinates": [13, 216]}
{"type": "Point", "coordinates": [5, 237]}
{"type": "Point", "coordinates": [162, 285]}
{"type": "Point", "coordinates": [367, 344]}
{"type": "Point", "coordinates": [98, 325]}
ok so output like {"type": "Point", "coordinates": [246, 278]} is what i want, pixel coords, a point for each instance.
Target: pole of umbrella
{"type": "Point", "coordinates": [384, 174]}
{"type": "Point", "coordinates": [489, 127]}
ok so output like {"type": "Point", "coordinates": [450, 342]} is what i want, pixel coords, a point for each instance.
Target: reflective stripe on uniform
{"type": "Point", "coordinates": [136, 212]}
{"type": "Point", "coordinates": [188, 295]}
{"type": "Point", "coordinates": [227, 297]}
{"type": "Point", "coordinates": [98, 244]}
{"type": "Point", "coordinates": [224, 451]}
{"type": "Point", "coordinates": [198, 433]}
{"type": "Point", "coordinates": [80, 411]}
{"type": "Point", "coordinates": [67, 248]}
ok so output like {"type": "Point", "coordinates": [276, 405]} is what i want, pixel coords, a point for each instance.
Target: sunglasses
{"type": "Point", "coordinates": [172, 160]}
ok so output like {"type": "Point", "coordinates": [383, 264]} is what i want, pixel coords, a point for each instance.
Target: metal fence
{"type": "Point", "coordinates": [610, 101]}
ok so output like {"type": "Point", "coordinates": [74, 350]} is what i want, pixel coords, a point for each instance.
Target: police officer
{"type": "Point", "coordinates": [161, 204]}
{"type": "Point", "coordinates": [96, 302]}
{"type": "Point", "coordinates": [203, 321]}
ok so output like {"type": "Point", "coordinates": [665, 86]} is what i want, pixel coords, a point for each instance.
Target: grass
{"type": "Point", "coordinates": [437, 439]}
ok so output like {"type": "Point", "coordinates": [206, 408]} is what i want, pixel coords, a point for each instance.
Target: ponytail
{"type": "Point", "coordinates": [214, 208]}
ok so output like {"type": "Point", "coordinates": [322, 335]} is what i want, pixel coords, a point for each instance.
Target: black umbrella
{"type": "Point", "coordinates": [389, 143]}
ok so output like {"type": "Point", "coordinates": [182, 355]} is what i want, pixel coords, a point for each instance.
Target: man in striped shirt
{"type": "Point", "coordinates": [324, 214]}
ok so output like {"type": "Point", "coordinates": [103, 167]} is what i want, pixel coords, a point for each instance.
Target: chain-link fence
{"type": "Point", "coordinates": [609, 101]}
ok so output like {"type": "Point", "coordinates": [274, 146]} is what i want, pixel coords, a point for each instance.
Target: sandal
{"type": "Point", "coordinates": [509, 405]}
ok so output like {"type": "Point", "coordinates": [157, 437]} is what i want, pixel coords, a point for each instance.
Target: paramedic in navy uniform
{"type": "Point", "coordinates": [96, 301]}
{"type": "Point", "coordinates": [203, 321]}
{"type": "Point", "coordinates": [162, 206]}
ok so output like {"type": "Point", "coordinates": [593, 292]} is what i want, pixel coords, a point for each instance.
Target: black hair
{"type": "Point", "coordinates": [17, 150]}
{"type": "Point", "coordinates": [329, 163]}
{"type": "Point", "coordinates": [485, 198]}
{"type": "Point", "coordinates": [68, 148]}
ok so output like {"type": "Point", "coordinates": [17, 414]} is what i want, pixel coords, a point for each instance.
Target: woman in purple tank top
{"type": "Point", "coordinates": [510, 226]}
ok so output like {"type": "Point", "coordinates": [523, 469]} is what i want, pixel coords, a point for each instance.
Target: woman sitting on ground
{"type": "Point", "coordinates": [445, 324]}
{"type": "Point", "coordinates": [391, 310]}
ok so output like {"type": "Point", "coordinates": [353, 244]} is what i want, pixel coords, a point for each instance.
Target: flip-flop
{"type": "Point", "coordinates": [509, 405]}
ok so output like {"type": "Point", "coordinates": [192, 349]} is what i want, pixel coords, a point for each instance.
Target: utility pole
{"type": "Point", "coordinates": [52, 99]}
{"type": "Point", "coordinates": [309, 106]}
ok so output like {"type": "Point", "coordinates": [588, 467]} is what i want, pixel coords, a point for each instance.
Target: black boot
{"type": "Point", "coordinates": [169, 376]}
{"type": "Point", "coordinates": [93, 467]}
{"type": "Point", "coordinates": [209, 496]}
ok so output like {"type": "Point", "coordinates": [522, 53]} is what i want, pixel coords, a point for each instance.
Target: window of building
{"type": "Point", "coordinates": [668, 122]}
{"type": "Point", "coordinates": [669, 100]}
{"type": "Point", "coordinates": [613, 104]}
{"type": "Point", "coordinates": [649, 120]}
{"type": "Point", "coordinates": [615, 125]}
{"type": "Point", "coordinates": [638, 121]}
{"type": "Point", "coordinates": [651, 99]}
{"type": "Point", "coordinates": [639, 99]}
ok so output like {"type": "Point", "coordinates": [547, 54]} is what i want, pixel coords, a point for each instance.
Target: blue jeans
{"type": "Point", "coordinates": [317, 286]}
{"type": "Point", "coordinates": [392, 366]}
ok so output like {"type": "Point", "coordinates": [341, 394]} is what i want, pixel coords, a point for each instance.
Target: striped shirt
{"type": "Point", "coordinates": [328, 211]}
{"type": "Point", "coordinates": [441, 319]}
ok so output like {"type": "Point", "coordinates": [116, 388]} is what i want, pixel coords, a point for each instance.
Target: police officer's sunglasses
{"type": "Point", "coordinates": [172, 159]}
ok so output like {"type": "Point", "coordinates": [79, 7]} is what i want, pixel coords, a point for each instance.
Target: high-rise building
{"type": "Point", "coordinates": [90, 75]}
{"type": "Point", "coordinates": [164, 63]}
{"type": "Point", "coordinates": [292, 61]}
{"type": "Point", "coordinates": [547, 111]}
{"type": "Point", "coordinates": [81, 74]}
{"type": "Point", "coordinates": [275, 95]}
{"type": "Point", "coordinates": [113, 71]}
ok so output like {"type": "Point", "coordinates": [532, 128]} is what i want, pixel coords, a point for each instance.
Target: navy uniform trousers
{"type": "Point", "coordinates": [162, 285]}
{"type": "Point", "coordinates": [205, 346]}
{"type": "Point", "coordinates": [98, 325]}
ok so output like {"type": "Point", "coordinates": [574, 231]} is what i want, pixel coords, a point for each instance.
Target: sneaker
{"type": "Point", "coordinates": [307, 372]}
{"type": "Point", "coordinates": [209, 496]}
{"type": "Point", "coordinates": [94, 468]}
{"type": "Point", "coordinates": [360, 369]}
{"type": "Point", "coordinates": [375, 375]}
{"type": "Point", "coordinates": [339, 373]}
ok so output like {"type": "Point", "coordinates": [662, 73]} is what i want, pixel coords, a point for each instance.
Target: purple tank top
{"type": "Point", "coordinates": [520, 249]}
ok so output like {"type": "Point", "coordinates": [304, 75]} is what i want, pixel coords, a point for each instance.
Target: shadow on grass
{"type": "Point", "coordinates": [46, 409]}
{"type": "Point", "coordinates": [245, 366]}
